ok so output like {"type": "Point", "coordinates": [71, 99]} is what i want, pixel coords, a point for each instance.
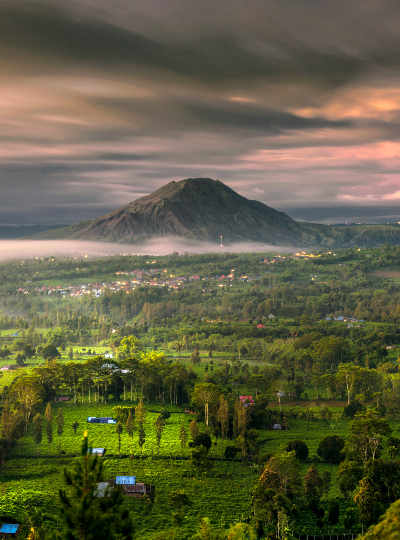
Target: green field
{"type": "Point", "coordinates": [223, 494]}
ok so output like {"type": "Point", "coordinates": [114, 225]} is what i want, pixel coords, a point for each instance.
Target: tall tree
{"type": "Point", "coordinates": [159, 426]}
{"type": "Point", "coordinates": [38, 430]}
{"type": "Point", "coordinates": [140, 412]}
{"type": "Point", "coordinates": [7, 426]}
{"type": "Point", "coordinates": [19, 427]}
{"type": "Point", "coordinates": [206, 394]}
{"type": "Point", "coordinates": [49, 424]}
{"type": "Point", "coordinates": [367, 430]}
{"type": "Point", "coordinates": [223, 419]}
{"type": "Point", "coordinates": [183, 437]}
{"type": "Point", "coordinates": [142, 438]}
{"type": "Point", "coordinates": [313, 487]}
{"type": "Point", "coordinates": [194, 429]}
{"type": "Point", "coordinates": [60, 426]}
{"type": "Point", "coordinates": [119, 429]}
{"type": "Point", "coordinates": [130, 427]}
{"type": "Point", "coordinates": [240, 419]}
{"type": "Point", "coordinates": [26, 392]}
{"type": "Point", "coordinates": [85, 515]}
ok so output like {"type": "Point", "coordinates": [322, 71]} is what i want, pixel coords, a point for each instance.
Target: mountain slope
{"type": "Point", "coordinates": [205, 209]}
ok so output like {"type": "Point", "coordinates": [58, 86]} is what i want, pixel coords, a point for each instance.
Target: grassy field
{"type": "Point", "coordinates": [223, 494]}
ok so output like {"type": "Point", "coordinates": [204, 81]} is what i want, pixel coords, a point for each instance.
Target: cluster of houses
{"type": "Point", "coordinates": [350, 320]}
{"type": "Point", "coordinates": [98, 289]}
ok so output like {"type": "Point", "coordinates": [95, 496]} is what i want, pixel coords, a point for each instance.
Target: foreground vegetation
{"type": "Point", "coordinates": [308, 340]}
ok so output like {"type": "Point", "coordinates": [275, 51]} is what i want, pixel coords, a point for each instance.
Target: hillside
{"type": "Point", "coordinates": [205, 209]}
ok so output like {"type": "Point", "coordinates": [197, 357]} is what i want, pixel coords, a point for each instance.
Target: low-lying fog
{"type": "Point", "coordinates": [28, 249]}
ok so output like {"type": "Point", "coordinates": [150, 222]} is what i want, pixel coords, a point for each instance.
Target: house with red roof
{"type": "Point", "coordinates": [246, 400]}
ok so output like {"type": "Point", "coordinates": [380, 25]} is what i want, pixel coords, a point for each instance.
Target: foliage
{"type": "Point", "coordinates": [202, 439]}
{"type": "Point", "coordinates": [83, 513]}
{"type": "Point", "coordinates": [388, 527]}
{"type": "Point", "coordinates": [330, 449]}
{"type": "Point", "coordinates": [287, 467]}
{"type": "Point", "coordinates": [300, 449]}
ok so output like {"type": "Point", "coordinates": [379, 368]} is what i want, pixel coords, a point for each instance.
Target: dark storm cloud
{"type": "Point", "coordinates": [31, 29]}
{"type": "Point", "coordinates": [185, 115]}
{"type": "Point", "coordinates": [286, 101]}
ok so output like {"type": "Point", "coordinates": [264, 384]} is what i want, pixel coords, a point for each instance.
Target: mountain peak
{"type": "Point", "coordinates": [205, 209]}
{"type": "Point", "coordinates": [190, 186]}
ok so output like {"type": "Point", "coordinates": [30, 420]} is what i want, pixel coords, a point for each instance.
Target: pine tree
{"type": "Point", "coordinates": [141, 416]}
{"type": "Point", "coordinates": [7, 426]}
{"type": "Point", "coordinates": [142, 438]}
{"type": "Point", "coordinates": [119, 429]}
{"type": "Point", "coordinates": [60, 426]}
{"type": "Point", "coordinates": [223, 419]}
{"type": "Point", "coordinates": [130, 428]}
{"type": "Point", "coordinates": [49, 424]}
{"type": "Point", "coordinates": [194, 429]}
{"type": "Point", "coordinates": [38, 430]}
{"type": "Point", "coordinates": [85, 515]}
{"type": "Point", "coordinates": [140, 412]}
{"type": "Point", "coordinates": [19, 427]}
{"type": "Point", "coordinates": [240, 419]}
{"type": "Point", "coordinates": [159, 425]}
{"type": "Point", "coordinates": [183, 436]}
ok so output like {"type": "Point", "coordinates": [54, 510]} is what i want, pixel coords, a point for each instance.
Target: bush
{"type": "Point", "coordinates": [49, 351]}
{"type": "Point", "coordinates": [202, 439]}
{"type": "Point", "coordinates": [262, 459]}
{"type": "Point", "coordinates": [330, 447]}
{"type": "Point", "coordinates": [299, 448]}
{"type": "Point", "coordinates": [352, 409]}
{"type": "Point", "coordinates": [231, 451]}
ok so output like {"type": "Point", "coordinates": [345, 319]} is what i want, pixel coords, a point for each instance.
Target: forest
{"type": "Point", "coordinates": [257, 394]}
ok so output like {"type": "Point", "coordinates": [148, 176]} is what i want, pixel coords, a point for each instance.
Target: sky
{"type": "Point", "coordinates": [295, 103]}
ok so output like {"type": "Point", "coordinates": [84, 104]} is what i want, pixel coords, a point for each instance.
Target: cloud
{"type": "Point", "coordinates": [62, 39]}
{"type": "Point", "coordinates": [105, 101]}
{"type": "Point", "coordinates": [28, 249]}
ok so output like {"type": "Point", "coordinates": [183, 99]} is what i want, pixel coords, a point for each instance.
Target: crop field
{"type": "Point", "coordinates": [36, 480]}
{"type": "Point", "coordinates": [223, 494]}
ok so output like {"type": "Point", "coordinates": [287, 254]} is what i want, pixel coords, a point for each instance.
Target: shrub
{"type": "Point", "coordinates": [202, 439]}
{"type": "Point", "coordinates": [49, 351]}
{"type": "Point", "coordinates": [330, 448]}
{"type": "Point", "coordinates": [231, 451]}
{"type": "Point", "coordinates": [299, 448]}
{"type": "Point", "coordinates": [352, 409]}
